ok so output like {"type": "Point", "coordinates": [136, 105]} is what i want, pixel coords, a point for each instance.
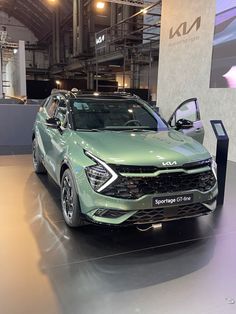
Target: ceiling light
{"type": "Point", "coordinates": [100, 5]}
{"type": "Point", "coordinates": [114, 66]}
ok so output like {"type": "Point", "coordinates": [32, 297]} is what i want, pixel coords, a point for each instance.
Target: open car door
{"type": "Point", "coordinates": [186, 119]}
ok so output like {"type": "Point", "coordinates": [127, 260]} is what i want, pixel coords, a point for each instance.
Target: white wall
{"type": "Point", "coordinates": [185, 65]}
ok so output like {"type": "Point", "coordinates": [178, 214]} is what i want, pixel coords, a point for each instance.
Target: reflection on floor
{"type": "Point", "coordinates": [46, 267]}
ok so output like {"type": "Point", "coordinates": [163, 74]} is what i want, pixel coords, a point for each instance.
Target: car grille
{"type": "Point", "coordinates": [152, 169]}
{"type": "Point", "coordinates": [164, 214]}
{"type": "Point", "coordinates": [135, 187]}
{"type": "Point", "coordinates": [134, 169]}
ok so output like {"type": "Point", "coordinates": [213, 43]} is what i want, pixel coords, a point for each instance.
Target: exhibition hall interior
{"type": "Point", "coordinates": [117, 156]}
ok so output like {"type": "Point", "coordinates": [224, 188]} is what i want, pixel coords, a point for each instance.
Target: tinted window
{"type": "Point", "coordinates": [114, 114]}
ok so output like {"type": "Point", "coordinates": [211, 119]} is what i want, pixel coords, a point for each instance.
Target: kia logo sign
{"type": "Point", "coordinates": [183, 28]}
{"type": "Point", "coordinates": [100, 39]}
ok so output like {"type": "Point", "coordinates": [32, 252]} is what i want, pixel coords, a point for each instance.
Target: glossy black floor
{"type": "Point", "coordinates": [46, 267]}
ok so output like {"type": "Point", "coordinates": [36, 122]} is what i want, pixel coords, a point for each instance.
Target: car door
{"type": "Point", "coordinates": [57, 139]}
{"type": "Point", "coordinates": [41, 130]}
{"type": "Point", "coordinates": [187, 120]}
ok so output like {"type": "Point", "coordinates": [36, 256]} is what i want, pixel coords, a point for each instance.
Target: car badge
{"type": "Point", "coordinates": [169, 163]}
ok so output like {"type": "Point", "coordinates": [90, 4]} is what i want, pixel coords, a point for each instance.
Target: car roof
{"type": "Point", "coordinates": [94, 95]}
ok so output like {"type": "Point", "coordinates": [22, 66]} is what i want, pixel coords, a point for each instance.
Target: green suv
{"type": "Point", "coordinates": [117, 162]}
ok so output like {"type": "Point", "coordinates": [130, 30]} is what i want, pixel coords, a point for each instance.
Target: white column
{"type": "Point", "coordinates": [1, 86]}
{"type": "Point", "coordinates": [22, 68]}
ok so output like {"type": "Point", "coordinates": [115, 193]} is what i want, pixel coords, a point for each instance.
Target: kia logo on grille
{"type": "Point", "coordinates": [169, 163]}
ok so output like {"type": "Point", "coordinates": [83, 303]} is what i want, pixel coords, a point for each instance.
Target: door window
{"type": "Point", "coordinates": [52, 105]}
{"type": "Point", "coordinates": [61, 114]}
{"type": "Point", "coordinates": [187, 111]}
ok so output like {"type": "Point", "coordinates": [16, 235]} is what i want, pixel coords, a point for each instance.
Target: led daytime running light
{"type": "Point", "coordinates": [114, 176]}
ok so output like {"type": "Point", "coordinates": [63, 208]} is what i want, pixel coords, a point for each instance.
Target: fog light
{"type": "Point", "coordinates": [109, 213]}
{"type": "Point", "coordinates": [101, 212]}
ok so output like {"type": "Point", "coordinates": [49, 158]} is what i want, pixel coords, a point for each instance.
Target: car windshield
{"type": "Point", "coordinates": [115, 115]}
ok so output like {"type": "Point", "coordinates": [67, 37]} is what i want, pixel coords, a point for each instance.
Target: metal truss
{"type": "Point", "coordinates": [134, 41]}
{"type": "Point", "coordinates": [134, 3]}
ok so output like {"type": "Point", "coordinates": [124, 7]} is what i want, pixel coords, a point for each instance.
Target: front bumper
{"type": "Point", "coordinates": [101, 209]}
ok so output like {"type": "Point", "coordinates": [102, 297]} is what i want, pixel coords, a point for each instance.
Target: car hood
{"type": "Point", "coordinates": [142, 148]}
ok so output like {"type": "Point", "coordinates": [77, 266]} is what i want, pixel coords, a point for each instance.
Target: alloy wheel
{"type": "Point", "coordinates": [34, 153]}
{"type": "Point", "coordinates": [67, 198]}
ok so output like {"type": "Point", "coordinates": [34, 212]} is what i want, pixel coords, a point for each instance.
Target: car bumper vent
{"type": "Point", "coordinates": [164, 214]}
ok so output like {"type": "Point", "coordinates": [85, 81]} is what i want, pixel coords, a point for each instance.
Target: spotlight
{"type": "Point", "coordinates": [58, 83]}
{"type": "Point", "coordinates": [100, 5]}
{"type": "Point", "coordinates": [15, 51]}
{"type": "Point", "coordinates": [144, 11]}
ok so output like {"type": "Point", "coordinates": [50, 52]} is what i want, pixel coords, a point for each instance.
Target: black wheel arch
{"type": "Point", "coordinates": [64, 166]}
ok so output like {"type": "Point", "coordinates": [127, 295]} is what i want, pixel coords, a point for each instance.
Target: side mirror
{"type": "Point", "coordinates": [182, 124]}
{"type": "Point", "coordinates": [53, 123]}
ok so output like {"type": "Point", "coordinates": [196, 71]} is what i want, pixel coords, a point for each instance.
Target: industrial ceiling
{"type": "Point", "coordinates": [37, 14]}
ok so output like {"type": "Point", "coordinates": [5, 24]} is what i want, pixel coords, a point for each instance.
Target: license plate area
{"type": "Point", "coordinates": [173, 200]}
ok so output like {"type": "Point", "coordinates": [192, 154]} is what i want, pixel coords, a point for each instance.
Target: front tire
{"type": "Point", "coordinates": [37, 163]}
{"type": "Point", "coordinates": [70, 201]}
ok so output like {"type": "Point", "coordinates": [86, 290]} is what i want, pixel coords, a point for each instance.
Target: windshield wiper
{"type": "Point", "coordinates": [89, 130]}
{"type": "Point", "coordinates": [142, 129]}
{"type": "Point", "coordinates": [134, 129]}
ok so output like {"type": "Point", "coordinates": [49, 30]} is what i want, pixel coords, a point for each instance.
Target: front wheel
{"type": "Point", "coordinates": [37, 163]}
{"type": "Point", "coordinates": [70, 201]}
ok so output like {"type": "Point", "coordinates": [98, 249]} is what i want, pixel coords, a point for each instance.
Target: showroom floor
{"type": "Point", "coordinates": [46, 268]}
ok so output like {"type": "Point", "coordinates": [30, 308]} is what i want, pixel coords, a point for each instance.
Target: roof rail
{"type": "Point", "coordinates": [75, 94]}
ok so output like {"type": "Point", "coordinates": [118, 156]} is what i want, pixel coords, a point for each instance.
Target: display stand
{"type": "Point", "coordinates": [221, 157]}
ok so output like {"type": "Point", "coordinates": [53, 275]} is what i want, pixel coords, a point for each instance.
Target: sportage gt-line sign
{"type": "Point", "coordinates": [184, 29]}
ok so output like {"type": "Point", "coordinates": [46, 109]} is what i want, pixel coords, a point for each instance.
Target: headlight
{"type": "Point", "coordinates": [99, 175]}
{"type": "Point", "coordinates": [214, 167]}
